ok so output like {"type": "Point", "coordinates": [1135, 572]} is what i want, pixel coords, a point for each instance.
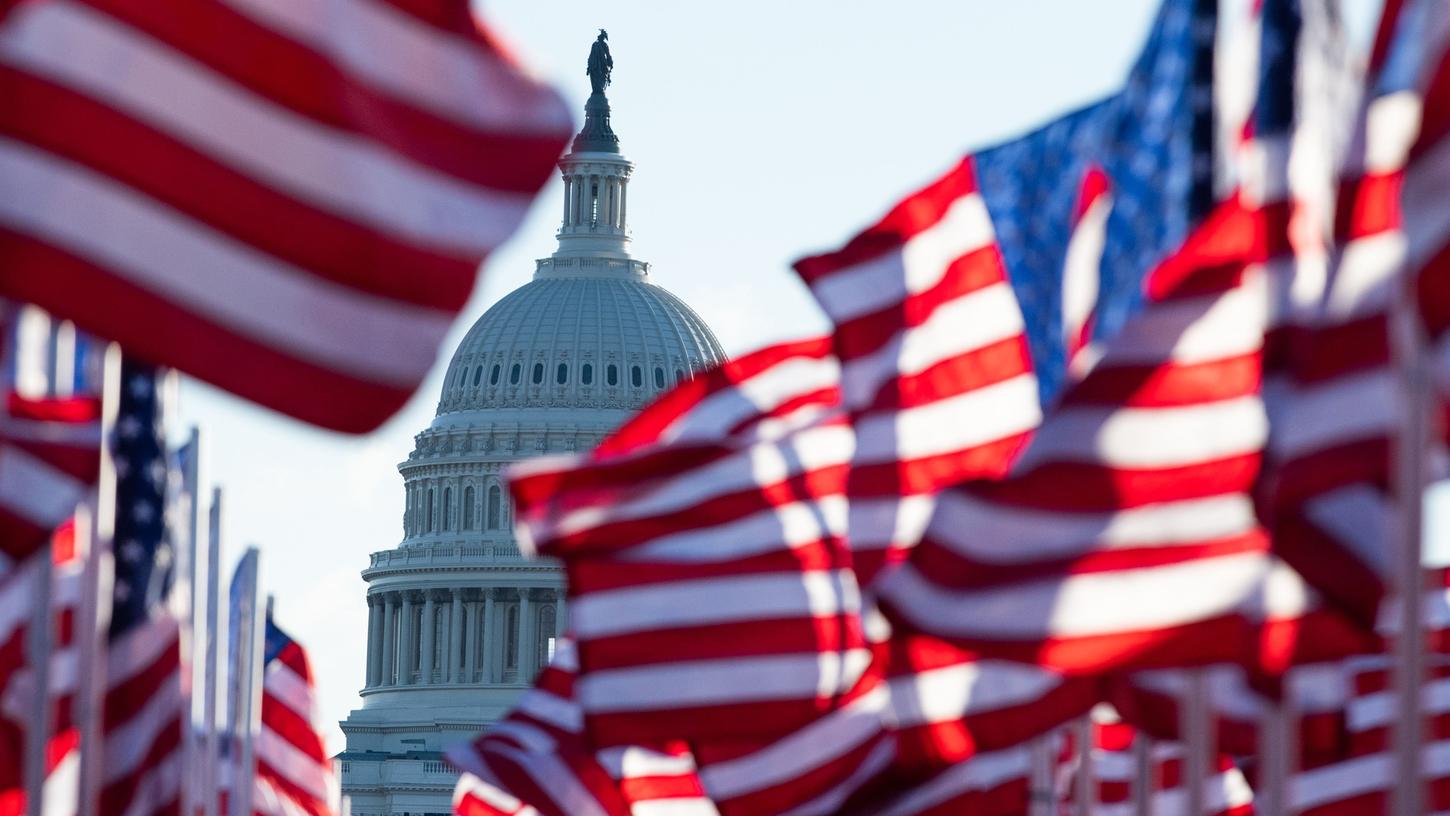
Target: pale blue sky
{"type": "Point", "coordinates": [762, 131]}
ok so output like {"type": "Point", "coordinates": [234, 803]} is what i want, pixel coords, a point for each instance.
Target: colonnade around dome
{"type": "Point", "coordinates": [460, 635]}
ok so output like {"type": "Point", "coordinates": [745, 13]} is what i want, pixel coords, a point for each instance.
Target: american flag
{"type": "Point", "coordinates": [18, 597]}
{"type": "Point", "coordinates": [538, 752]}
{"type": "Point", "coordinates": [231, 188]}
{"type": "Point", "coordinates": [49, 459]}
{"type": "Point", "coordinates": [49, 426]}
{"type": "Point", "coordinates": [141, 764]}
{"type": "Point", "coordinates": [722, 537]}
{"type": "Point", "coordinates": [294, 773]}
{"type": "Point", "coordinates": [1360, 779]}
{"type": "Point", "coordinates": [1121, 767]}
{"type": "Point", "coordinates": [1141, 484]}
{"type": "Point", "coordinates": [950, 312]}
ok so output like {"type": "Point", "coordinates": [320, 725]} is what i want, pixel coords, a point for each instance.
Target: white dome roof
{"type": "Point", "coordinates": [584, 334]}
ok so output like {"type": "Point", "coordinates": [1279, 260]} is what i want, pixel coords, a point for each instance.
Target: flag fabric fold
{"type": "Point", "coordinates": [265, 172]}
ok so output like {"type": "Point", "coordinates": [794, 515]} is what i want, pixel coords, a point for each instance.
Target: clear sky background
{"type": "Point", "coordinates": [762, 131]}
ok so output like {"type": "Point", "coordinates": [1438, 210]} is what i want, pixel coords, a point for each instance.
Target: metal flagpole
{"type": "Point", "coordinates": [38, 636]}
{"type": "Point", "coordinates": [1086, 797]}
{"type": "Point", "coordinates": [1142, 775]}
{"type": "Point", "coordinates": [1277, 749]}
{"type": "Point", "coordinates": [249, 687]}
{"type": "Point", "coordinates": [1408, 344]}
{"type": "Point", "coordinates": [1195, 730]}
{"type": "Point", "coordinates": [210, 746]}
{"type": "Point", "coordinates": [1040, 794]}
{"type": "Point", "coordinates": [187, 571]}
{"type": "Point", "coordinates": [95, 611]}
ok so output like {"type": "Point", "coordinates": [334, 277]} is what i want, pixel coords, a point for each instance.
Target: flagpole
{"type": "Point", "coordinates": [1143, 775]}
{"type": "Point", "coordinates": [1040, 794]}
{"type": "Point", "coordinates": [38, 644]}
{"type": "Point", "coordinates": [95, 613]}
{"type": "Point", "coordinates": [1408, 344]}
{"type": "Point", "coordinates": [1195, 731]}
{"type": "Point", "coordinates": [210, 753]}
{"type": "Point", "coordinates": [1277, 749]}
{"type": "Point", "coordinates": [188, 623]}
{"type": "Point", "coordinates": [249, 688]}
{"type": "Point", "coordinates": [1086, 789]}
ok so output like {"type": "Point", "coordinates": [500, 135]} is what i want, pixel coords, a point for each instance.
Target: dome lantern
{"type": "Point", "coordinates": [596, 181]}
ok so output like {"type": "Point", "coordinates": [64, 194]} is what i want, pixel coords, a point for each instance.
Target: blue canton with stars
{"type": "Point", "coordinates": [276, 640]}
{"type": "Point", "coordinates": [1153, 140]}
{"type": "Point", "coordinates": [143, 551]}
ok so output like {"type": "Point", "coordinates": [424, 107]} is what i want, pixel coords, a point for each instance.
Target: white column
{"type": "Point", "coordinates": [608, 187]}
{"type": "Point", "coordinates": [375, 641]}
{"type": "Point", "coordinates": [429, 625]}
{"type": "Point", "coordinates": [561, 618]}
{"type": "Point", "coordinates": [567, 183]}
{"type": "Point", "coordinates": [623, 204]}
{"type": "Point", "coordinates": [490, 663]}
{"type": "Point", "coordinates": [526, 638]}
{"type": "Point", "coordinates": [470, 650]}
{"type": "Point", "coordinates": [455, 635]}
{"type": "Point", "coordinates": [577, 200]}
{"type": "Point", "coordinates": [390, 636]}
{"type": "Point", "coordinates": [616, 195]}
{"type": "Point", "coordinates": [406, 641]}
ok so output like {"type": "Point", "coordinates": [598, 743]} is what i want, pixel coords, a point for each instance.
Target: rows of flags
{"type": "Point", "coordinates": [1098, 495]}
{"type": "Point", "coordinates": [96, 671]}
{"type": "Point", "coordinates": [1113, 450]}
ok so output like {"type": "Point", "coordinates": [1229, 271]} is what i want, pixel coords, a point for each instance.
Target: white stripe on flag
{"type": "Point", "coordinates": [30, 488]}
{"type": "Point", "coordinates": [413, 61]}
{"type": "Point", "coordinates": [257, 296]}
{"type": "Point", "coordinates": [731, 599]}
{"type": "Point", "coordinates": [720, 682]}
{"type": "Point", "coordinates": [917, 266]}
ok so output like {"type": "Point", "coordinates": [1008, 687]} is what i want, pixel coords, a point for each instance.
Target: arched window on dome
{"type": "Point", "coordinates": [586, 374]}
{"type": "Point", "coordinates": [493, 375]}
{"type": "Point", "coordinates": [562, 376]}
{"type": "Point", "coordinates": [447, 508]}
{"type": "Point", "coordinates": [477, 376]}
{"type": "Point", "coordinates": [538, 373]}
{"type": "Point", "coordinates": [659, 377]}
{"type": "Point", "coordinates": [468, 512]}
{"type": "Point", "coordinates": [514, 374]}
{"type": "Point", "coordinates": [636, 376]}
{"type": "Point", "coordinates": [495, 507]}
{"type": "Point", "coordinates": [611, 374]}
{"type": "Point", "coordinates": [679, 375]}
{"type": "Point", "coordinates": [431, 528]}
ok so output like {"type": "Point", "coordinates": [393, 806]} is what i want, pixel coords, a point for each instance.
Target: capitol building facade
{"type": "Point", "coordinates": [458, 622]}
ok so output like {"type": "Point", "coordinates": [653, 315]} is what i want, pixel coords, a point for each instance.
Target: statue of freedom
{"type": "Point", "coordinates": [600, 63]}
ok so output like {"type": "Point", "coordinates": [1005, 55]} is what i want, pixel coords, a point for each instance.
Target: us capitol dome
{"type": "Point", "coordinates": [458, 622]}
